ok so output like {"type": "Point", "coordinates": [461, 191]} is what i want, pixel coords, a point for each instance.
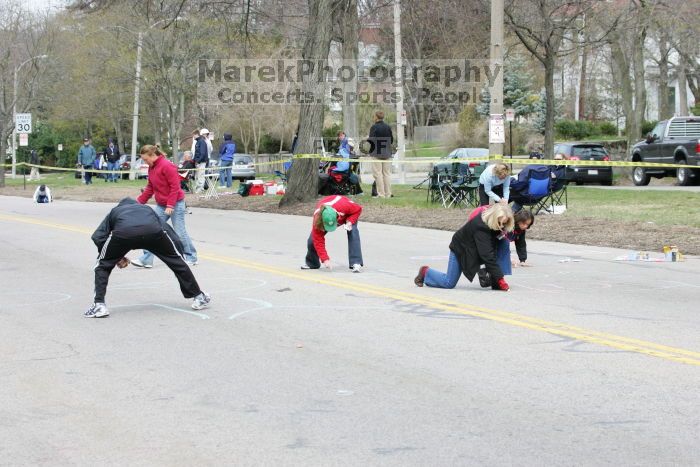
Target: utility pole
{"type": "Point", "coordinates": [14, 112]}
{"type": "Point", "coordinates": [496, 106]}
{"type": "Point", "coordinates": [400, 115]}
{"type": "Point", "coordinates": [135, 124]}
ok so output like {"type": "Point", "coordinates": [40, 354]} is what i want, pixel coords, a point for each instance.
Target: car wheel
{"type": "Point", "coordinates": [640, 177]}
{"type": "Point", "coordinates": [683, 175]}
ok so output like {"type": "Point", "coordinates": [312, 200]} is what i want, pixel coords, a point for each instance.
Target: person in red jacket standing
{"type": "Point", "coordinates": [164, 183]}
{"type": "Point", "coordinates": [331, 212]}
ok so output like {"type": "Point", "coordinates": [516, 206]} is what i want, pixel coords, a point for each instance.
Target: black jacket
{"type": "Point", "coordinates": [201, 152]}
{"type": "Point", "coordinates": [130, 220]}
{"type": "Point", "coordinates": [380, 138]}
{"type": "Point", "coordinates": [112, 154]}
{"type": "Point", "coordinates": [475, 244]}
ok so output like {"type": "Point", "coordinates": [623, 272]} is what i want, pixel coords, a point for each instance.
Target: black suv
{"type": "Point", "coordinates": [673, 141]}
{"type": "Point", "coordinates": [586, 152]}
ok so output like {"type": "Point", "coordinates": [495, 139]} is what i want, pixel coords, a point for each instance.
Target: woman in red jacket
{"type": "Point", "coordinates": [331, 212]}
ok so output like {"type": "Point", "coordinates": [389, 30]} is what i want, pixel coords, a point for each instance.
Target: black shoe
{"type": "Point", "coordinates": [484, 278]}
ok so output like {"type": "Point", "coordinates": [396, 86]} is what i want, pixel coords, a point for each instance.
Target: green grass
{"type": "Point", "coordinates": [66, 179]}
{"type": "Point", "coordinates": [659, 207]}
{"type": "Point", "coordinates": [427, 150]}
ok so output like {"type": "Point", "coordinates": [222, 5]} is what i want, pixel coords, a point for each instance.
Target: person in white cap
{"type": "Point", "coordinates": [201, 158]}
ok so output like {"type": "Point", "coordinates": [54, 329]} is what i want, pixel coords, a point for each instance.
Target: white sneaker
{"type": "Point", "coordinates": [201, 301]}
{"type": "Point", "coordinates": [97, 310]}
{"type": "Point", "coordinates": [356, 268]}
{"type": "Point", "coordinates": [192, 263]}
{"type": "Point", "coordinates": [137, 262]}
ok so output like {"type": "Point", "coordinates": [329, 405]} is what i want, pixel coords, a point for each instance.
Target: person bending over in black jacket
{"type": "Point", "coordinates": [133, 226]}
{"type": "Point", "coordinates": [473, 245]}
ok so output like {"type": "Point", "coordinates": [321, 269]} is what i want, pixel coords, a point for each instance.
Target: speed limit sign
{"type": "Point", "coordinates": [23, 123]}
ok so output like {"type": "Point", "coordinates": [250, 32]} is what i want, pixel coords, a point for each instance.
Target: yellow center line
{"type": "Point", "coordinates": [522, 321]}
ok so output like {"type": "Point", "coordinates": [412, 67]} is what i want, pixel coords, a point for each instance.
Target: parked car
{"type": "Point", "coordinates": [586, 152]}
{"type": "Point", "coordinates": [673, 141]}
{"type": "Point", "coordinates": [141, 169]}
{"type": "Point", "coordinates": [243, 167]}
{"type": "Point", "coordinates": [478, 155]}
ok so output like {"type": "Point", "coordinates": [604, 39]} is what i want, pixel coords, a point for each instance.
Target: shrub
{"type": "Point", "coordinates": [607, 128]}
{"type": "Point", "coordinates": [647, 126]}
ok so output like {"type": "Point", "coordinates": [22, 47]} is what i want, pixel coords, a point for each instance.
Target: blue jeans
{"type": "Point", "coordinates": [178, 221]}
{"type": "Point", "coordinates": [225, 173]}
{"type": "Point", "coordinates": [354, 250]}
{"type": "Point", "coordinates": [112, 166]}
{"type": "Point", "coordinates": [444, 280]}
{"type": "Point", "coordinates": [503, 256]}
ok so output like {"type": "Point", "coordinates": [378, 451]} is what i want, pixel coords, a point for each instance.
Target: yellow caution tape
{"type": "Point", "coordinates": [411, 160]}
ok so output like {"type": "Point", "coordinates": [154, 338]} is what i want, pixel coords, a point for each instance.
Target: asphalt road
{"type": "Point", "coordinates": [587, 361]}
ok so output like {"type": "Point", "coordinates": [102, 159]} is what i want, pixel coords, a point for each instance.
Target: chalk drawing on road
{"type": "Point", "coordinates": [15, 299]}
{"type": "Point", "coordinates": [166, 307]}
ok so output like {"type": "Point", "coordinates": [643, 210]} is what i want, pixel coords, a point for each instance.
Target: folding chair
{"type": "Point", "coordinates": [533, 187]}
{"type": "Point", "coordinates": [558, 195]}
{"type": "Point", "coordinates": [472, 187]}
{"type": "Point", "coordinates": [212, 180]}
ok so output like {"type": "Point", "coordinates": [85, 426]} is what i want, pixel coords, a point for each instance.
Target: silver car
{"type": "Point", "coordinates": [243, 167]}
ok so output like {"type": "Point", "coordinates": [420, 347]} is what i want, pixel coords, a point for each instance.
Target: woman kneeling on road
{"type": "Point", "coordinates": [331, 212]}
{"type": "Point", "coordinates": [473, 245]}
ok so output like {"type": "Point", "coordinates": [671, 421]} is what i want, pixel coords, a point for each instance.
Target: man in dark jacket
{"type": "Point", "coordinates": [381, 138]}
{"type": "Point", "coordinates": [130, 226]}
{"type": "Point", "coordinates": [226, 153]}
{"type": "Point", "coordinates": [201, 158]}
{"type": "Point", "coordinates": [112, 156]}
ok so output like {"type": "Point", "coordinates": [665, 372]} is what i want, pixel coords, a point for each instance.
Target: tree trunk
{"type": "Point", "coordinates": [663, 104]}
{"type": "Point", "coordinates": [640, 89]}
{"type": "Point", "coordinates": [623, 77]}
{"type": "Point", "coordinates": [3, 139]}
{"type": "Point", "coordinates": [549, 106]}
{"type": "Point", "coordinates": [582, 83]}
{"type": "Point", "coordinates": [350, 26]}
{"type": "Point", "coordinates": [682, 87]}
{"type": "Point", "coordinates": [303, 180]}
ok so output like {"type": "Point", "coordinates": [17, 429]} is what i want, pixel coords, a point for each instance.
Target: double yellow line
{"type": "Point", "coordinates": [522, 321]}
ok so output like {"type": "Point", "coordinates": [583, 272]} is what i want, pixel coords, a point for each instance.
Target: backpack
{"type": "Point", "coordinates": [244, 189]}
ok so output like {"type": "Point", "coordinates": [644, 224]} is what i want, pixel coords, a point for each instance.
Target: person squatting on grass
{"type": "Point", "coordinates": [494, 184]}
{"type": "Point", "coordinates": [164, 183]}
{"type": "Point", "coordinates": [473, 245]}
{"type": "Point", "coordinates": [523, 220]}
{"type": "Point", "coordinates": [130, 226]}
{"type": "Point", "coordinates": [331, 212]}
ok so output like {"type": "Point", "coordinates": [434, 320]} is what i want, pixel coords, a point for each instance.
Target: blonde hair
{"type": "Point", "coordinates": [151, 150]}
{"type": "Point", "coordinates": [491, 215]}
{"type": "Point", "coordinates": [501, 170]}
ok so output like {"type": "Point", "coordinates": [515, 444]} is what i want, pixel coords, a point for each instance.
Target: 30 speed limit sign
{"type": "Point", "coordinates": [23, 123]}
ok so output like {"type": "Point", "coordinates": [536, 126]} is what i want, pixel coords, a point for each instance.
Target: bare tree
{"type": "Point", "coordinates": [548, 29]}
{"type": "Point", "coordinates": [24, 37]}
{"type": "Point", "coordinates": [303, 181]}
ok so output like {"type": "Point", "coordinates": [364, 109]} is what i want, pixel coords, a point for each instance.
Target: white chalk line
{"type": "Point", "coordinates": [3, 303]}
{"type": "Point", "coordinates": [167, 307]}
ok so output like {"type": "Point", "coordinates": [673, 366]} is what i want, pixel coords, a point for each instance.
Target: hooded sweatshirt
{"type": "Point", "coordinates": [228, 149]}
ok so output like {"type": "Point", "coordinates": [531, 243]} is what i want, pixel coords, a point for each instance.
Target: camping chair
{"type": "Point", "coordinates": [472, 187]}
{"type": "Point", "coordinates": [186, 177]}
{"type": "Point", "coordinates": [558, 195]}
{"type": "Point", "coordinates": [532, 187]}
{"type": "Point", "coordinates": [284, 176]}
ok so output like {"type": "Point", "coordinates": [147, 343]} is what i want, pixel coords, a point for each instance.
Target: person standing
{"type": "Point", "coordinates": [331, 212]}
{"type": "Point", "coordinates": [86, 158]}
{"type": "Point", "coordinates": [226, 153]}
{"type": "Point", "coordinates": [201, 158]}
{"type": "Point", "coordinates": [494, 184]}
{"type": "Point", "coordinates": [473, 245]}
{"type": "Point", "coordinates": [381, 139]}
{"type": "Point", "coordinates": [164, 183]}
{"type": "Point", "coordinates": [112, 155]}
{"type": "Point", "coordinates": [34, 160]}
{"type": "Point", "coordinates": [130, 226]}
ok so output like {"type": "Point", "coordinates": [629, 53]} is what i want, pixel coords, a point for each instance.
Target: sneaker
{"type": "Point", "coordinates": [356, 268]}
{"type": "Point", "coordinates": [305, 266]}
{"type": "Point", "coordinates": [201, 301]}
{"type": "Point", "coordinates": [139, 264]}
{"type": "Point", "coordinates": [484, 278]}
{"type": "Point", "coordinates": [192, 263]}
{"type": "Point", "coordinates": [97, 310]}
{"type": "Point", "coordinates": [420, 278]}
